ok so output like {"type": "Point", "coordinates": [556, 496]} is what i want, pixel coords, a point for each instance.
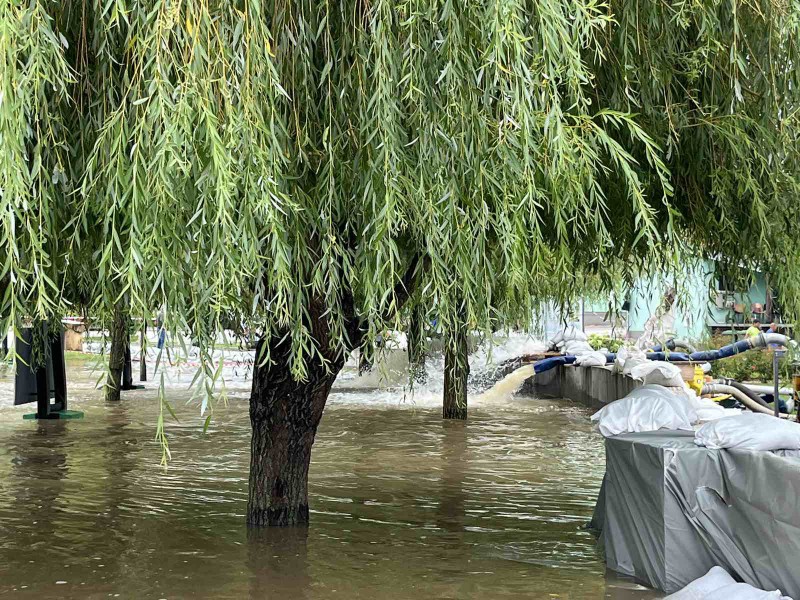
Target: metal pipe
{"type": "Point", "coordinates": [673, 343]}
{"type": "Point", "coordinates": [685, 344]}
{"type": "Point", "coordinates": [744, 389]}
{"type": "Point", "coordinates": [760, 388]}
{"type": "Point", "coordinates": [759, 341]}
{"type": "Point", "coordinates": [776, 376]}
{"type": "Point", "coordinates": [718, 388]}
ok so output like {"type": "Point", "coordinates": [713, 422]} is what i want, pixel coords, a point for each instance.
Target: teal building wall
{"type": "Point", "coordinates": [696, 309]}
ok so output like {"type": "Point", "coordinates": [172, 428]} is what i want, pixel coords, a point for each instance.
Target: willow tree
{"type": "Point", "coordinates": [309, 165]}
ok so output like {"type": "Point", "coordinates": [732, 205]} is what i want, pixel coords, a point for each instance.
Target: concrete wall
{"type": "Point", "coordinates": [591, 386]}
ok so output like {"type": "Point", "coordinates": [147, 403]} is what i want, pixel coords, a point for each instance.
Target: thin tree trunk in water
{"type": "Point", "coordinates": [416, 345]}
{"type": "Point", "coordinates": [456, 371]}
{"type": "Point", "coordinates": [284, 414]}
{"type": "Point", "coordinates": [116, 358]}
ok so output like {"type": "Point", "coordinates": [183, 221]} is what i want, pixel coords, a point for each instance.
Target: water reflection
{"type": "Point", "coordinates": [452, 495]}
{"type": "Point", "coordinates": [404, 505]}
{"type": "Point", "coordinates": [278, 563]}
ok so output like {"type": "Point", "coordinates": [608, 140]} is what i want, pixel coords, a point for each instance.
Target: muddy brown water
{"type": "Point", "coordinates": [404, 505]}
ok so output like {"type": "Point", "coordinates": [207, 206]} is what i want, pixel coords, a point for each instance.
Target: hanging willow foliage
{"type": "Point", "coordinates": [249, 157]}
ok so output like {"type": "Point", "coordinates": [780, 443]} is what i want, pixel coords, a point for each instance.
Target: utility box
{"type": "Point", "coordinates": [47, 384]}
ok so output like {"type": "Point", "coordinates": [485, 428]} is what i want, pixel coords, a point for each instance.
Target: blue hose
{"type": "Point", "coordinates": [668, 356]}
{"type": "Point", "coordinates": [540, 366]}
{"type": "Point", "coordinates": [702, 356]}
{"type": "Point", "coordinates": [724, 352]}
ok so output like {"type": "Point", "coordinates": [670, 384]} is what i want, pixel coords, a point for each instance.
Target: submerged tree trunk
{"type": "Point", "coordinates": [416, 345]}
{"type": "Point", "coordinates": [456, 371]}
{"type": "Point", "coordinates": [284, 414]}
{"type": "Point", "coordinates": [116, 358]}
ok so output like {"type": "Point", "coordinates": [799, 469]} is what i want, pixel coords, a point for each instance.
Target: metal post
{"type": "Point", "coordinates": [42, 392]}
{"type": "Point", "coordinates": [776, 377]}
{"type": "Point", "coordinates": [59, 372]}
{"type": "Point", "coordinates": [143, 351]}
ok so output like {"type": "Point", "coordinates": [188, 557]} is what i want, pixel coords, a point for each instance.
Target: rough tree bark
{"type": "Point", "coordinates": [116, 358]}
{"type": "Point", "coordinates": [416, 345]}
{"type": "Point", "coordinates": [285, 413]}
{"type": "Point", "coordinates": [456, 371]}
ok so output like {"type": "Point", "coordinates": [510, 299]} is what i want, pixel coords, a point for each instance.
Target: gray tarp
{"type": "Point", "coordinates": [670, 510]}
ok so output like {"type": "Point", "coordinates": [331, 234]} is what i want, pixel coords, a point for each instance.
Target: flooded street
{"type": "Point", "coordinates": [403, 504]}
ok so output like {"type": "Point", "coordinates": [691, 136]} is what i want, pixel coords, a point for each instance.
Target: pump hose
{"type": "Point", "coordinates": [761, 340]}
{"type": "Point", "coordinates": [673, 343]}
{"type": "Point", "coordinates": [719, 388]}
{"type": "Point", "coordinates": [744, 389]}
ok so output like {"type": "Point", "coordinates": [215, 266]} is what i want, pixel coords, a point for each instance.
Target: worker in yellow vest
{"type": "Point", "coordinates": [753, 330]}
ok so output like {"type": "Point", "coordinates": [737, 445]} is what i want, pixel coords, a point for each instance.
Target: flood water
{"type": "Point", "coordinates": [404, 505]}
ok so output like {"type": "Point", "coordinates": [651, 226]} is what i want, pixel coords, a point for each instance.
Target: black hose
{"type": "Point", "coordinates": [744, 389]}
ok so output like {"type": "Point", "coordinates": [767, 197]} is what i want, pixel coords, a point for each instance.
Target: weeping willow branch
{"type": "Point", "coordinates": [255, 158]}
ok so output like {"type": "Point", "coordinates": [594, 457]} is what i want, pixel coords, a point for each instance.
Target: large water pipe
{"type": "Point", "coordinates": [763, 388]}
{"type": "Point", "coordinates": [672, 344]}
{"type": "Point", "coordinates": [719, 388]}
{"type": "Point", "coordinates": [744, 390]}
{"type": "Point", "coordinates": [759, 341]}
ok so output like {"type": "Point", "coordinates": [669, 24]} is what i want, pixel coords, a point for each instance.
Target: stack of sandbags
{"type": "Point", "coordinates": [572, 342]}
{"type": "Point", "coordinates": [628, 359]}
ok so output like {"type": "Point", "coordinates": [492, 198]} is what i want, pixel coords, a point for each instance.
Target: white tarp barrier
{"type": "Point", "coordinates": [669, 510]}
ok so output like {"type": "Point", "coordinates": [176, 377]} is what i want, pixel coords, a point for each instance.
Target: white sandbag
{"type": "Point", "coordinates": [750, 431]}
{"type": "Point", "coordinates": [570, 333]}
{"type": "Point", "coordinates": [634, 359]}
{"type": "Point", "coordinates": [648, 408]}
{"type": "Point", "coordinates": [658, 372]}
{"type": "Point", "coordinates": [716, 578]}
{"type": "Point", "coordinates": [619, 360]}
{"type": "Point", "coordinates": [591, 359]}
{"type": "Point", "coordinates": [743, 591]}
{"type": "Point", "coordinates": [576, 348]}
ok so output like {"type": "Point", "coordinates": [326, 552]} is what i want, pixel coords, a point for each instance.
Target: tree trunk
{"type": "Point", "coordinates": [116, 358]}
{"type": "Point", "coordinates": [456, 371]}
{"type": "Point", "coordinates": [284, 414]}
{"type": "Point", "coordinates": [127, 368]}
{"type": "Point", "coordinates": [416, 345]}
